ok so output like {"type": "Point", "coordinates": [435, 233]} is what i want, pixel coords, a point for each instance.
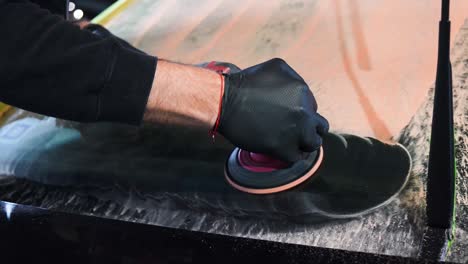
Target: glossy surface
{"type": "Point", "coordinates": [32, 234]}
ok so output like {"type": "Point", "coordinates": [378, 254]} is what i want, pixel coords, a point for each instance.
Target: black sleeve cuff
{"type": "Point", "coordinates": [125, 94]}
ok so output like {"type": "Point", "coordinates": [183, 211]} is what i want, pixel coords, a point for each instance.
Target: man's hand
{"type": "Point", "coordinates": [269, 109]}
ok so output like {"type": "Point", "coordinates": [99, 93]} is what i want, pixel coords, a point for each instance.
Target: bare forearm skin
{"type": "Point", "coordinates": [184, 95]}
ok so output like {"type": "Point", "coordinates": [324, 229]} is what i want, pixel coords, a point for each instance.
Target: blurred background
{"type": "Point", "coordinates": [77, 9]}
{"type": "Point", "coordinates": [90, 8]}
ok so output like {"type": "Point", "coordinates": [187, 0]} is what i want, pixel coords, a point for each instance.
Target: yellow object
{"type": "Point", "coordinates": [111, 12]}
{"type": "Point", "coordinates": [4, 108]}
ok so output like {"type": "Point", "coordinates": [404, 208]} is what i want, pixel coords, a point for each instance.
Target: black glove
{"type": "Point", "coordinates": [269, 109]}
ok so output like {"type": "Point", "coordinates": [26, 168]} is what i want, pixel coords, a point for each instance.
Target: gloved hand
{"type": "Point", "coordinates": [269, 109]}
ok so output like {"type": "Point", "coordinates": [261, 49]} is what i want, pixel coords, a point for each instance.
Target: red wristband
{"type": "Point", "coordinates": [216, 125]}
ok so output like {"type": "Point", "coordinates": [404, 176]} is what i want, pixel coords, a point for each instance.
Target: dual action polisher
{"type": "Point", "coordinates": [260, 174]}
{"type": "Point", "coordinates": [347, 176]}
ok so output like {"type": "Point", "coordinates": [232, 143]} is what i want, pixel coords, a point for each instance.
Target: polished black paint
{"type": "Point", "coordinates": [44, 236]}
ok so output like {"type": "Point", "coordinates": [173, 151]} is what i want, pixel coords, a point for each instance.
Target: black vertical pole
{"type": "Point", "coordinates": [440, 196]}
{"type": "Point", "coordinates": [441, 171]}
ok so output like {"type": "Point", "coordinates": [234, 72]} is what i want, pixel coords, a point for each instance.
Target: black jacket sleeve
{"type": "Point", "coordinates": [52, 67]}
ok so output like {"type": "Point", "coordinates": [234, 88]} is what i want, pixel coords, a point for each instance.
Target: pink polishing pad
{"type": "Point", "coordinates": [258, 162]}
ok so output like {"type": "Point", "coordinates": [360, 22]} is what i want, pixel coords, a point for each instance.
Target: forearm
{"type": "Point", "coordinates": [52, 67]}
{"type": "Point", "coordinates": [184, 95]}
